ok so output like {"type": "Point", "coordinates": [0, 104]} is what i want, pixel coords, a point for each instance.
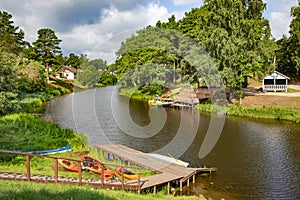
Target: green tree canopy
{"type": "Point", "coordinates": [47, 47]}
{"type": "Point", "coordinates": [11, 37]}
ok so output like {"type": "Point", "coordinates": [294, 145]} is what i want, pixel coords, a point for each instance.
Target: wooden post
{"type": "Point", "coordinates": [28, 166]}
{"type": "Point", "coordinates": [188, 182]}
{"type": "Point", "coordinates": [139, 181]}
{"type": "Point", "coordinates": [55, 170]}
{"type": "Point", "coordinates": [180, 185]}
{"type": "Point", "coordinates": [168, 188]}
{"type": "Point", "coordinates": [102, 176]}
{"type": "Point", "coordinates": [122, 178]}
{"type": "Point", "coordinates": [154, 190]}
{"type": "Point", "coordinates": [194, 179]}
{"type": "Point", "coordinates": [80, 173]}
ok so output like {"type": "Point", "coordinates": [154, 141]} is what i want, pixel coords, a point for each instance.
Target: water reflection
{"type": "Point", "coordinates": [256, 159]}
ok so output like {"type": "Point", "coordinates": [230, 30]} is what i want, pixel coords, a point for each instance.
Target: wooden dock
{"type": "Point", "coordinates": [166, 171]}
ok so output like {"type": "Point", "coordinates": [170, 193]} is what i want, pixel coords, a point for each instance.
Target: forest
{"type": "Point", "coordinates": [233, 34]}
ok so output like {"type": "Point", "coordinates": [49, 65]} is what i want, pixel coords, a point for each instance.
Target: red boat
{"type": "Point", "coordinates": [91, 164]}
{"type": "Point", "coordinates": [68, 165]}
{"type": "Point", "coordinates": [127, 174]}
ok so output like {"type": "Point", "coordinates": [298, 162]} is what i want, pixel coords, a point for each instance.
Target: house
{"type": "Point", "coordinates": [67, 72]}
{"type": "Point", "coordinates": [275, 82]}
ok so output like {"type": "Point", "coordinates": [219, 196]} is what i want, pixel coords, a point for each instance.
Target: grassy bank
{"type": "Point", "coordinates": [25, 132]}
{"type": "Point", "coordinates": [257, 112]}
{"type": "Point", "coordinates": [26, 191]}
{"type": "Point", "coordinates": [134, 93]}
{"type": "Point", "coordinates": [35, 102]}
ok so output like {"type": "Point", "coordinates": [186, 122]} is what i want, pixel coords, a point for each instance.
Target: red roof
{"type": "Point", "coordinates": [64, 68]}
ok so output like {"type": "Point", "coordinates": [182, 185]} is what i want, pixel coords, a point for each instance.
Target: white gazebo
{"type": "Point", "coordinates": [276, 82]}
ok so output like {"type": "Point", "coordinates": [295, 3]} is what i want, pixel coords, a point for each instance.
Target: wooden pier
{"type": "Point", "coordinates": [166, 171]}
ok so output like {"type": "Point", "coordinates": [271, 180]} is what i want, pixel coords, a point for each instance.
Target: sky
{"type": "Point", "coordinates": [96, 27]}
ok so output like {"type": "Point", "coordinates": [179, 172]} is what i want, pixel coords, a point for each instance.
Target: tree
{"type": "Point", "coordinates": [11, 37]}
{"type": "Point", "coordinates": [8, 87]}
{"type": "Point", "coordinates": [236, 36]}
{"type": "Point", "coordinates": [47, 48]}
{"type": "Point", "coordinates": [294, 40]}
{"type": "Point", "coordinates": [74, 60]}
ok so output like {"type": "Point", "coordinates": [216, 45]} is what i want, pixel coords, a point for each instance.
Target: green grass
{"type": "Point", "coordinates": [257, 112]}
{"type": "Point", "coordinates": [25, 132]}
{"type": "Point", "coordinates": [291, 90]}
{"type": "Point", "coordinates": [134, 93]}
{"type": "Point", "coordinates": [41, 191]}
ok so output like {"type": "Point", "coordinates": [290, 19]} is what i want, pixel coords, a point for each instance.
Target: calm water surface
{"type": "Point", "coordinates": [255, 159]}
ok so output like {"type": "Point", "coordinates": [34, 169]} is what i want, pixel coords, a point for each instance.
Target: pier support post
{"type": "Point", "coordinates": [180, 185]}
{"type": "Point", "coordinates": [168, 188]}
{"type": "Point", "coordinates": [194, 179]}
{"type": "Point", "coordinates": [28, 167]}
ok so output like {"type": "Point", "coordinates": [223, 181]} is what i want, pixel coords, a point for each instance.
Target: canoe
{"type": "Point", "coordinates": [46, 152]}
{"type": "Point", "coordinates": [91, 164]}
{"type": "Point", "coordinates": [127, 174]}
{"type": "Point", "coordinates": [68, 165]}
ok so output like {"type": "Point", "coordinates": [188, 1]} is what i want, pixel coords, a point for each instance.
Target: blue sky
{"type": "Point", "coordinates": [96, 27]}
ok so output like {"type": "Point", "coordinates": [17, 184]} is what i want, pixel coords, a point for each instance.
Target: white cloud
{"type": "Point", "coordinates": [103, 38]}
{"type": "Point", "coordinates": [185, 2]}
{"type": "Point", "coordinates": [278, 13]}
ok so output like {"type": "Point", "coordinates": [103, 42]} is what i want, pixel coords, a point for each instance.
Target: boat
{"type": "Point", "coordinates": [69, 165]}
{"type": "Point", "coordinates": [46, 152]}
{"type": "Point", "coordinates": [151, 102]}
{"type": "Point", "coordinates": [170, 159]}
{"type": "Point", "coordinates": [162, 104]}
{"type": "Point", "coordinates": [90, 164]}
{"type": "Point", "coordinates": [127, 173]}
{"type": "Point", "coordinates": [171, 93]}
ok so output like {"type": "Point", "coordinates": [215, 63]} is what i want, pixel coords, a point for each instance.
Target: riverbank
{"type": "Point", "coordinates": [256, 105]}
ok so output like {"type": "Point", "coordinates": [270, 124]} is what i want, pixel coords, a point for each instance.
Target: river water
{"type": "Point", "coordinates": [256, 159]}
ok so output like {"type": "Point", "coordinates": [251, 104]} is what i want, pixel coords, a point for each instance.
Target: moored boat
{"type": "Point", "coordinates": [127, 173]}
{"type": "Point", "coordinates": [69, 165]}
{"type": "Point", "coordinates": [91, 164]}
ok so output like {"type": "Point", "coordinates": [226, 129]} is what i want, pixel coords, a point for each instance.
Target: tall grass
{"type": "Point", "coordinates": [256, 112]}
{"type": "Point", "coordinates": [27, 133]}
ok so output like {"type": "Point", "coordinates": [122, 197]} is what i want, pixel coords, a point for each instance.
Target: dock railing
{"type": "Point", "coordinates": [102, 183]}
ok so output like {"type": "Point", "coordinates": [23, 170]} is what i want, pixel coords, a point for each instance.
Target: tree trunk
{"type": "Point", "coordinates": [47, 72]}
{"type": "Point", "coordinates": [174, 71]}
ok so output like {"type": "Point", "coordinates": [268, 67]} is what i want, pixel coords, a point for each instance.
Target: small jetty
{"type": "Point", "coordinates": [166, 170]}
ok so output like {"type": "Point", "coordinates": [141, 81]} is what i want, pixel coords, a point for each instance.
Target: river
{"type": "Point", "coordinates": [256, 159]}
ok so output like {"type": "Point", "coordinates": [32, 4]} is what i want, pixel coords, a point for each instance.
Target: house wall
{"type": "Point", "coordinates": [69, 75]}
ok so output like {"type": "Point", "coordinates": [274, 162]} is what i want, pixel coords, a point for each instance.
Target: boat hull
{"type": "Point", "coordinates": [68, 165]}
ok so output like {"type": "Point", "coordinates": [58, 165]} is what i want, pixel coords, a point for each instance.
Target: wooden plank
{"type": "Point", "coordinates": [167, 171]}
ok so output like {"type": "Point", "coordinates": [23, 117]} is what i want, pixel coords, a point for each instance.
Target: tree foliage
{"type": "Point", "coordinates": [47, 47]}
{"type": "Point", "coordinates": [11, 37]}
{"type": "Point", "coordinates": [289, 52]}
{"type": "Point", "coordinates": [233, 32]}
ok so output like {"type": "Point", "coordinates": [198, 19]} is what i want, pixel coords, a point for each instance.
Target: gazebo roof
{"type": "Point", "coordinates": [277, 75]}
